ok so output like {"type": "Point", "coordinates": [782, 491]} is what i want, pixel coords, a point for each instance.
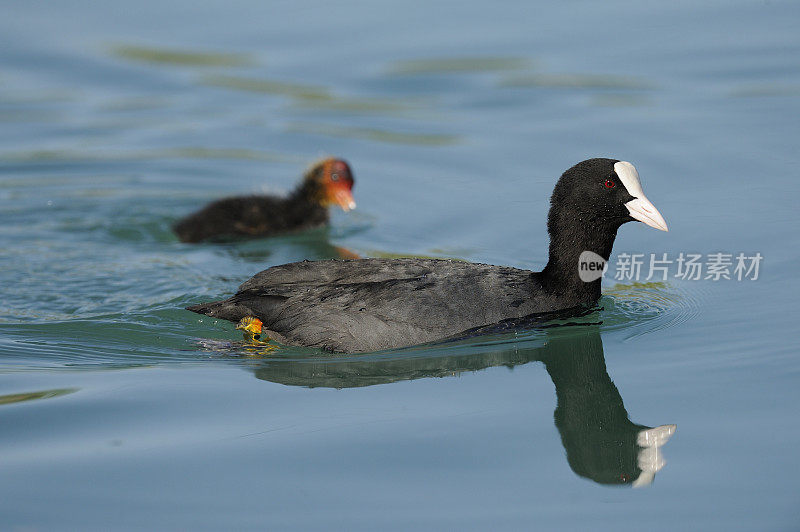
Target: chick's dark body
{"type": "Point", "coordinates": [251, 216]}
{"type": "Point", "coordinates": [330, 181]}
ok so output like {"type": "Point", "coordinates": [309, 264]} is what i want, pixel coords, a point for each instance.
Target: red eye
{"type": "Point", "coordinates": [610, 183]}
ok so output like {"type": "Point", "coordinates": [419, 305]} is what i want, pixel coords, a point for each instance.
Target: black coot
{"type": "Point", "coordinates": [373, 304]}
{"type": "Point", "coordinates": [328, 182]}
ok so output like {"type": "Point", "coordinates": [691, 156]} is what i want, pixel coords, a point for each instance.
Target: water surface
{"type": "Point", "coordinates": [121, 410]}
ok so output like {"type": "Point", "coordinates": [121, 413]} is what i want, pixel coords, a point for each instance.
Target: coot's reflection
{"type": "Point", "coordinates": [601, 443]}
{"type": "Point", "coordinates": [313, 244]}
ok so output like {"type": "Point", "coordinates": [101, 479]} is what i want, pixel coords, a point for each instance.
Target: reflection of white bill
{"type": "Point", "coordinates": [591, 266]}
{"type": "Point", "coordinates": [650, 458]}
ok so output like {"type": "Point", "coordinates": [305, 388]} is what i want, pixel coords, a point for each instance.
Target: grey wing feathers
{"type": "Point", "coordinates": [372, 304]}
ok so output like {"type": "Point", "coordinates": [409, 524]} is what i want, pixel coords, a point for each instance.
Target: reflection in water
{"type": "Point", "coordinates": [268, 86]}
{"type": "Point", "coordinates": [446, 65]}
{"type": "Point", "coordinates": [310, 96]}
{"type": "Point", "coordinates": [576, 81]}
{"type": "Point", "coordinates": [314, 244]}
{"type": "Point", "coordinates": [374, 134]}
{"type": "Point", "coordinates": [601, 443]}
{"type": "Point", "coordinates": [180, 57]}
{"type": "Point", "coordinates": [86, 154]}
{"type": "Point", "coordinates": [31, 396]}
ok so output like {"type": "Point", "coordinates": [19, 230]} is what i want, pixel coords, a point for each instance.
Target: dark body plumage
{"type": "Point", "coordinates": [373, 304]}
{"type": "Point", "coordinates": [262, 216]}
{"type": "Point", "coordinates": [251, 216]}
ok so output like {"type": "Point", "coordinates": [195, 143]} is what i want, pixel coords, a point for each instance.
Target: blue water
{"type": "Point", "coordinates": [120, 410]}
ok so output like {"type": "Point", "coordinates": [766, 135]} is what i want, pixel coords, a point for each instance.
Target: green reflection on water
{"type": "Point", "coordinates": [178, 152]}
{"type": "Point", "coordinates": [30, 396]}
{"type": "Point", "coordinates": [443, 65]}
{"type": "Point", "coordinates": [267, 86]}
{"type": "Point", "coordinates": [180, 57]}
{"type": "Point", "coordinates": [575, 81]}
{"type": "Point", "coordinates": [376, 253]}
{"type": "Point", "coordinates": [379, 135]}
{"type": "Point", "coordinates": [359, 105]}
{"type": "Point", "coordinates": [310, 96]}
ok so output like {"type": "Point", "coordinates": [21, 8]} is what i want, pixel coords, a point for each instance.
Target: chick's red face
{"type": "Point", "coordinates": [337, 181]}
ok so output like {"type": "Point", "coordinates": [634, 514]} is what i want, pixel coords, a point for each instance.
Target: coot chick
{"type": "Point", "coordinates": [251, 331]}
{"type": "Point", "coordinates": [328, 182]}
{"type": "Point", "coordinates": [254, 342]}
{"type": "Point", "coordinates": [373, 304]}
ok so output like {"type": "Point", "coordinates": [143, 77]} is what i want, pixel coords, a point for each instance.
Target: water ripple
{"type": "Point", "coordinates": [642, 308]}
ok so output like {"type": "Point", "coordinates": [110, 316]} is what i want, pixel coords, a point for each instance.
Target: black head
{"type": "Point", "coordinates": [602, 194]}
{"type": "Point", "coordinates": [589, 203]}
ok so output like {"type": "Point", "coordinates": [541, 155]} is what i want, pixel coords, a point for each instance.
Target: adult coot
{"type": "Point", "coordinates": [372, 304]}
{"type": "Point", "coordinates": [328, 182]}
